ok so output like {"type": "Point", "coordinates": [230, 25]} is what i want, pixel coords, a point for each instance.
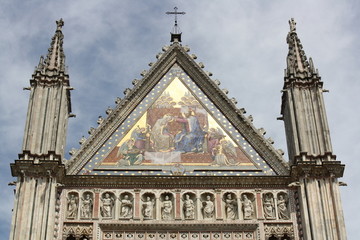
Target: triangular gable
{"type": "Point", "coordinates": [176, 128]}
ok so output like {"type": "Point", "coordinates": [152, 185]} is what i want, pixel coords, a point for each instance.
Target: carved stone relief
{"type": "Point", "coordinates": [279, 231]}
{"type": "Point", "coordinates": [148, 206]}
{"type": "Point", "coordinates": [230, 206]}
{"type": "Point", "coordinates": [269, 206]}
{"type": "Point", "coordinates": [248, 205]}
{"type": "Point", "coordinates": [166, 206]}
{"type": "Point", "coordinates": [208, 207]}
{"type": "Point", "coordinates": [78, 231]}
{"type": "Point", "coordinates": [126, 205]}
{"type": "Point", "coordinates": [107, 206]}
{"type": "Point", "coordinates": [72, 205]}
{"type": "Point", "coordinates": [282, 206]}
{"type": "Point", "coordinates": [86, 205]}
{"type": "Point", "coordinates": [170, 205]}
{"type": "Point", "coordinates": [189, 208]}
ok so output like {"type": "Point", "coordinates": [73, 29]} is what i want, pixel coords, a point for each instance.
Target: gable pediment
{"type": "Point", "coordinates": [176, 120]}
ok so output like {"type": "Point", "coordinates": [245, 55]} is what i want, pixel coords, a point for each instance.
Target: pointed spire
{"type": "Point", "coordinates": [55, 59]}
{"type": "Point", "coordinates": [297, 63]}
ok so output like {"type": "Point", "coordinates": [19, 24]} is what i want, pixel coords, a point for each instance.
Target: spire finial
{"type": "Point", "coordinates": [59, 24]}
{"type": "Point", "coordinates": [292, 24]}
{"type": "Point", "coordinates": [176, 34]}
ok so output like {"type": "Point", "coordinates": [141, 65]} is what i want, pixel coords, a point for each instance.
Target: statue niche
{"type": "Point", "coordinates": [230, 206]}
{"type": "Point", "coordinates": [86, 205]}
{"type": "Point", "coordinates": [208, 206]}
{"type": "Point", "coordinates": [269, 206]}
{"type": "Point", "coordinates": [189, 208]}
{"type": "Point", "coordinates": [167, 212]}
{"type": "Point", "coordinates": [107, 205]}
{"type": "Point", "coordinates": [248, 208]}
{"type": "Point", "coordinates": [282, 206]}
{"type": "Point", "coordinates": [148, 206]}
{"type": "Point", "coordinates": [126, 205]}
{"type": "Point", "coordinates": [72, 205]}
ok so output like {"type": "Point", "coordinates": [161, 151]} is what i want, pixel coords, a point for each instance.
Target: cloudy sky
{"type": "Point", "coordinates": [108, 43]}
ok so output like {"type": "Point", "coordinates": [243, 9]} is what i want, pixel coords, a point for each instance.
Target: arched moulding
{"type": "Point", "coordinates": [189, 208]}
{"type": "Point", "coordinates": [248, 205]}
{"type": "Point", "coordinates": [126, 200]}
{"type": "Point", "coordinates": [167, 206]}
{"type": "Point", "coordinates": [282, 204]}
{"type": "Point", "coordinates": [148, 206]}
{"type": "Point", "coordinates": [230, 205]}
{"type": "Point", "coordinates": [72, 205]}
{"type": "Point", "coordinates": [107, 205]}
{"type": "Point", "coordinates": [268, 202]}
{"type": "Point", "coordinates": [87, 204]}
{"type": "Point", "coordinates": [207, 205]}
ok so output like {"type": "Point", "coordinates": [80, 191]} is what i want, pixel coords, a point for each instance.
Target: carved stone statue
{"type": "Point", "coordinates": [247, 207]}
{"type": "Point", "coordinates": [208, 208]}
{"type": "Point", "coordinates": [189, 208]}
{"type": "Point", "coordinates": [269, 208]}
{"type": "Point", "coordinates": [148, 208]}
{"type": "Point", "coordinates": [107, 206]}
{"type": "Point", "coordinates": [86, 206]}
{"type": "Point", "coordinates": [166, 209]}
{"type": "Point", "coordinates": [230, 207]}
{"type": "Point", "coordinates": [282, 208]}
{"type": "Point", "coordinates": [292, 24]}
{"type": "Point", "coordinates": [126, 207]}
{"type": "Point", "coordinates": [72, 206]}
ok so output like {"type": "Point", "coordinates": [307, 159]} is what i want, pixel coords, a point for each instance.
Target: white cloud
{"type": "Point", "coordinates": [241, 42]}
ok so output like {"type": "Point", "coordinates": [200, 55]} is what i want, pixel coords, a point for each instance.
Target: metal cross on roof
{"type": "Point", "coordinates": [176, 13]}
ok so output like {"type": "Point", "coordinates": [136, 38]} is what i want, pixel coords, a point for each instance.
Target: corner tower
{"type": "Point", "coordinates": [49, 106]}
{"type": "Point", "coordinates": [39, 167]}
{"type": "Point", "coordinates": [313, 164]}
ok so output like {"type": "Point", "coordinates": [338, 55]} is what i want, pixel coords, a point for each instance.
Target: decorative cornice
{"type": "Point", "coordinates": [317, 169]}
{"type": "Point", "coordinates": [175, 182]}
{"type": "Point", "coordinates": [38, 168]}
{"type": "Point", "coordinates": [243, 226]}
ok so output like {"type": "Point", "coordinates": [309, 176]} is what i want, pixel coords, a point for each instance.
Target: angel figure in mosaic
{"type": "Point", "coordinates": [107, 205]}
{"type": "Point", "coordinates": [214, 137]}
{"type": "Point", "coordinates": [161, 139]}
{"type": "Point", "coordinates": [283, 210]}
{"type": "Point", "coordinates": [139, 134]}
{"type": "Point", "coordinates": [86, 206]}
{"type": "Point", "coordinates": [72, 206]}
{"type": "Point", "coordinates": [225, 154]}
{"type": "Point", "coordinates": [129, 154]}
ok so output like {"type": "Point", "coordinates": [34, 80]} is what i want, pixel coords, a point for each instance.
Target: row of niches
{"type": "Point", "coordinates": [186, 205]}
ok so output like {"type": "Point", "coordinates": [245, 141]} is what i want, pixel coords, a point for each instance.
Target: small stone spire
{"type": "Point", "coordinates": [297, 63]}
{"type": "Point", "coordinates": [55, 59]}
{"type": "Point", "coordinates": [50, 104]}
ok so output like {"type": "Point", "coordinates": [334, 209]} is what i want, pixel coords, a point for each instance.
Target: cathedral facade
{"type": "Point", "coordinates": [177, 160]}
